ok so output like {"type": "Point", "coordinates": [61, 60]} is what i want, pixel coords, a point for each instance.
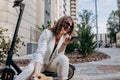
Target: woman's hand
{"type": "Point", "coordinates": [34, 75]}
{"type": "Point", "coordinates": [67, 40]}
{"type": "Point", "coordinates": [37, 69]}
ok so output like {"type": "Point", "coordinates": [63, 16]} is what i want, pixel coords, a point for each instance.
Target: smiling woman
{"type": "Point", "coordinates": [49, 55]}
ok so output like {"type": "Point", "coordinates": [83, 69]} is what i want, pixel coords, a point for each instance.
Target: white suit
{"type": "Point", "coordinates": [58, 62]}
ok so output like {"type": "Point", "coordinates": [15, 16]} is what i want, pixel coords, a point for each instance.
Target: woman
{"type": "Point", "coordinates": [50, 52]}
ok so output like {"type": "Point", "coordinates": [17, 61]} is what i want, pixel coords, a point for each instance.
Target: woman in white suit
{"type": "Point", "coordinates": [50, 52]}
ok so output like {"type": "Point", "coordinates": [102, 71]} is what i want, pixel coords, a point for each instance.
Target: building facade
{"type": "Point", "coordinates": [103, 40]}
{"type": "Point", "coordinates": [59, 8]}
{"type": "Point", "coordinates": [36, 12]}
{"type": "Point", "coordinates": [33, 15]}
{"type": "Point", "coordinates": [63, 7]}
{"type": "Point", "coordinates": [73, 10]}
{"type": "Point", "coordinates": [118, 39]}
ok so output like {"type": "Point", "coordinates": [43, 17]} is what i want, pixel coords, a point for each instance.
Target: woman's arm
{"type": "Point", "coordinates": [64, 44]}
{"type": "Point", "coordinates": [42, 47]}
{"type": "Point", "coordinates": [37, 68]}
{"type": "Point", "coordinates": [40, 52]}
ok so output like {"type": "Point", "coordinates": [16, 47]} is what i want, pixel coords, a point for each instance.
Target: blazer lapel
{"type": "Point", "coordinates": [53, 44]}
{"type": "Point", "coordinates": [60, 42]}
{"type": "Point", "coordinates": [56, 50]}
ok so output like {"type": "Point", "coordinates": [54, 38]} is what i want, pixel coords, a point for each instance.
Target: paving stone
{"type": "Point", "coordinates": [88, 71]}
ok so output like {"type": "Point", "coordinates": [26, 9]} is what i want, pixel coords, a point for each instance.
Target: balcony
{"type": "Point", "coordinates": [73, 6]}
{"type": "Point", "coordinates": [73, 9]}
{"type": "Point", "coordinates": [73, 13]}
{"type": "Point", "coordinates": [73, 2]}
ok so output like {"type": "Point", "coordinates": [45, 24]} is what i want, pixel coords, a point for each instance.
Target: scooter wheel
{"type": "Point", "coordinates": [71, 72]}
{"type": "Point", "coordinates": [7, 74]}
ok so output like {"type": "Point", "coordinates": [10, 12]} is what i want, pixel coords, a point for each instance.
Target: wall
{"type": "Point", "coordinates": [9, 16]}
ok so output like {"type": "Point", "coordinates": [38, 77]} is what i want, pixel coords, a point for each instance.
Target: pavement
{"type": "Point", "coordinates": [89, 70]}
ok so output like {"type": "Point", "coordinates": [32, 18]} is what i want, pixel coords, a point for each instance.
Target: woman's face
{"type": "Point", "coordinates": [66, 27]}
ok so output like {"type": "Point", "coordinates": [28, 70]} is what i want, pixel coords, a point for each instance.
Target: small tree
{"type": "Point", "coordinates": [113, 26]}
{"type": "Point", "coordinates": [5, 43]}
{"type": "Point", "coordinates": [86, 43]}
{"type": "Point", "coordinates": [41, 28]}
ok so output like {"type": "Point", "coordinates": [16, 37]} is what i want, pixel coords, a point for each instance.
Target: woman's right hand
{"type": "Point", "coordinates": [67, 40]}
{"type": "Point", "coordinates": [34, 75]}
{"type": "Point", "coordinates": [37, 69]}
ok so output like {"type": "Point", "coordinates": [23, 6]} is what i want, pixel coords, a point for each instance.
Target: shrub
{"type": "Point", "coordinates": [5, 43]}
{"type": "Point", "coordinates": [86, 43]}
{"type": "Point", "coordinates": [71, 47]}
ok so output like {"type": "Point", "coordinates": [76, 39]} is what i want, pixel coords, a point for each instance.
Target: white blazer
{"type": "Point", "coordinates": [46, 45]}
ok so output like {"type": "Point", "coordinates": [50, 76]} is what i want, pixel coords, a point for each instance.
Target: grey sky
{"type": "Point", "coordinates": [104, 8]}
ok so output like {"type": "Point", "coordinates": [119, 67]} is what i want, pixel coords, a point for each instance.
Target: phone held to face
{"type": "Point", "coordinates": [74, 38]}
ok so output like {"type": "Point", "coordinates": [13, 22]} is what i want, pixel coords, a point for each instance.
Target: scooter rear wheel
{"type": "Point", "coordinates": [71, 71]}
{"type": "Point", "coordinates": [7, 74]}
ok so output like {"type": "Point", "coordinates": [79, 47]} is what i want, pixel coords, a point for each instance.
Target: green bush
{"type": "Point", "coordinates": [5, 43]}
{"type": "Point", "coordinates": [86, 44]}
{"type": "Point", "coordinates": [71, 47]}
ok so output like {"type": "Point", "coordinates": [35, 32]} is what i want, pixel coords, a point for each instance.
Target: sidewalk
{"type": "Point", "coordinates": [89, 70]}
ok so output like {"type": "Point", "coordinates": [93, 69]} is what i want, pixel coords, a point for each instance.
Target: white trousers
{"type": "Point", "coordinates": [60, 65]}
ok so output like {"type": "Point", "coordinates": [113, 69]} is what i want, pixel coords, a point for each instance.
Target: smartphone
{"type": "Point", "coordinates": [74, 38]}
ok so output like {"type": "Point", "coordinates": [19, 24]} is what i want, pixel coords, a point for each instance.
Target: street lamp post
{"type": "Point", "coordinates": [96, 24]}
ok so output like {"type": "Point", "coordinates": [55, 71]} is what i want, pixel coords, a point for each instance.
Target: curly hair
{"type": "Point", "coordinates": [60, 23]}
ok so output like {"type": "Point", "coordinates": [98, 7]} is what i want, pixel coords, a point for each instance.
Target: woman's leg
{"type": "Point", "coordinates": [25, 75]}
{"type": "Point", "coordinates": [60, 65]}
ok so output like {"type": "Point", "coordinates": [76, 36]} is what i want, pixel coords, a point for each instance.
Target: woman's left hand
{"type": "Point", "coordinates": [67, 40]}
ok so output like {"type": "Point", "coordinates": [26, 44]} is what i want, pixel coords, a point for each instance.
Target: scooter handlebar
{"type": "Point", "coordinates": [17, 3]}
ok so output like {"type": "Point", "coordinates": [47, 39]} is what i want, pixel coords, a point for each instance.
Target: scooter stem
{"type": "Point", "coordinates": [10, 52]}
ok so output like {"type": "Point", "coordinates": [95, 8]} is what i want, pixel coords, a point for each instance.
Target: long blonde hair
{"type": "Point", "coordinates": [60, 23]}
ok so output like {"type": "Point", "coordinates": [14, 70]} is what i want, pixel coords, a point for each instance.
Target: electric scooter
{"type": "Point", "coordinates": [8, 72]}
